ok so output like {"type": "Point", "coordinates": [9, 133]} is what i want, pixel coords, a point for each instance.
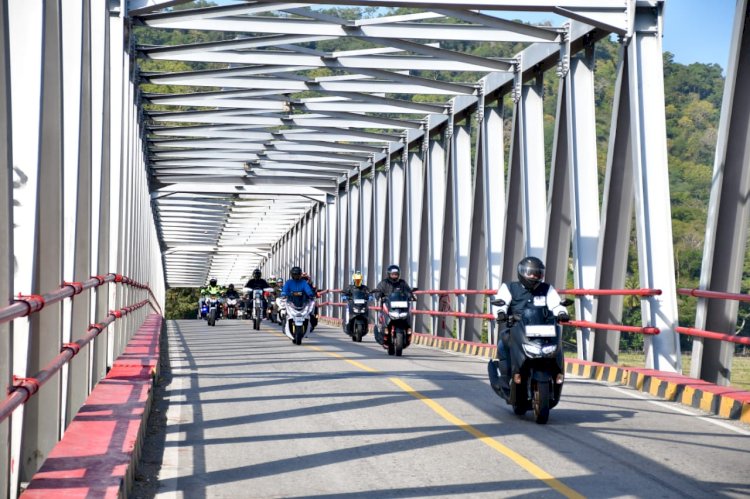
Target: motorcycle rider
{"type": "Point", "coordinates": [231, 293]}
{"type": "Point", "coordinates": [356, 285]}
{"type": "Point", "coordinates": [213, 288]}
{"type": "Point", "coordinates": [297, 284]}
{"type": "Point", "coordinates": [529, 291]}
{"type": "Point", "coordinates": [257, 282]}
{"type": "Point", "coordinates": [390, 284]}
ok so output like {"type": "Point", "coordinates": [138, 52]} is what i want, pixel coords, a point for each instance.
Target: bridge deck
{"type": "Point", "coordinates": [253, 415]}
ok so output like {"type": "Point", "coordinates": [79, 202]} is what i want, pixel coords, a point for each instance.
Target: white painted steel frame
{"type": "Point", "coordinates": [728, 211]}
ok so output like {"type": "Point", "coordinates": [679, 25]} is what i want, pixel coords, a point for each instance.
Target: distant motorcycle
{"type": "Point", "coordinates": [535, 344]}
{"type": "Point", "coordinates": [394, 333]}
{"type": "Point", "coordinates": [213, 313]}
{"type": "Point", "coordinates": [232, 306]}
{"type": "Point", "coordinates": [358, 321]}
{"type": "Point", "coordinates": [299, 308]}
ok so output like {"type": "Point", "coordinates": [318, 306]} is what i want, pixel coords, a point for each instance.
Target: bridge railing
{"type": "Point", "coordinates": [23, 388]}
{"type": "Point", "coordinates": [701, 333]}
{"type": "Point", "coordinates": [462, 315]}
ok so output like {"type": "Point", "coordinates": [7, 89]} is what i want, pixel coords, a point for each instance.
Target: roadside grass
{"type": "Point", "coordinates": [740, 377]}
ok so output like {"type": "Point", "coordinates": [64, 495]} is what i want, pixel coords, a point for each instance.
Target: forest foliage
{"type": "Point", "coordinates": [693, 96]}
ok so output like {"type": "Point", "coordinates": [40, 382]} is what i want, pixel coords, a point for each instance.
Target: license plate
{"type": "Point", "coordinates": [541, 331]}
{"type": "Point", "coordinates": [360, 301]}
{"type": "Point", "coordinates": [399, 304]}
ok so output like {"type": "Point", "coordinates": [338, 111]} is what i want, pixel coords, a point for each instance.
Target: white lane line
{"type": "Point", "coordinates": [673, 407]}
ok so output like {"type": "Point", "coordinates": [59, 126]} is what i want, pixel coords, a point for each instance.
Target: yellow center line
{"type": "Point", "coordinates": [514, 456]}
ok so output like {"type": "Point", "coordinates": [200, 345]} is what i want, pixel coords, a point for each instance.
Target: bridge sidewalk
{"type": "Point", "coordinates": [100, 447]}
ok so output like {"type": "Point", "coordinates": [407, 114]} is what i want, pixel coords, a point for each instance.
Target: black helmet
{"type": "Point", "coordinates": [212, 282]}
{"type": "Point", "coordinates": [393, 269]}
{"type": "Point", "coordinates": [296, 273]}
{"type": "Point", "coordinates": [231, 286]}
{"type": "Point", "coordinates": [530, 272]}
{"type": "Point", "coordinates": [256, 274]}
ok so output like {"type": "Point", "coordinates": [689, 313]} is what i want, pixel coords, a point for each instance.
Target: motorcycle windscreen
{"type": "Point", "coordinates": [299, 300]}
{"type": "Point", "coordinates": [398, 299]}
{"type": "Point", "coordinates": [359, 297]}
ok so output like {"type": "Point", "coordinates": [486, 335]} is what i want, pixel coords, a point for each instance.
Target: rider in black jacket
{"type": "Point", "coordinates": [392, 283]}
{"type": "Point", "coordinates": [258, 283]}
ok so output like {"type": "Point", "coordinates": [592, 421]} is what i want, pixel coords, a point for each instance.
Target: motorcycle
{"type": "Point", "coordinates": [394, 333]}
{"type": "Point", "coordinates": [358, 322]}
{"type": "Point", "coordinates": [203, 312]}
{"type": "Point", "coordinates": [255, 298]}
{"type": "Point", "coordinates": [213, 313]}
{"type": "Point", "coordinates": [535, 345]}
{"type": "Point", "coordinates": [232, 306]}
{"type": "Point", "coordinates": [280, 307]}
{"type": "Point", "coordinates": [299, 308]}
{"type": "Point", "coordinates": [272, 312]}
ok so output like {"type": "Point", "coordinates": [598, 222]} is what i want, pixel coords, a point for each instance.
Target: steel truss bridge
{"type": "Point", "coordinates": [261, 146]}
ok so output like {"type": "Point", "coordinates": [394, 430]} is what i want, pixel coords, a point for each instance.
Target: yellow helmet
{"type": "Point", "coordinates": [357, 278]}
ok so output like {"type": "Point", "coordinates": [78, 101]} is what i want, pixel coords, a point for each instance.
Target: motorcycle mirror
{"type": "Point", "coordinates": [414, 289]}
{"type": "Point", "coordinates": [497, 303]}
{"type": "Point", "coordinates": [566, 302]}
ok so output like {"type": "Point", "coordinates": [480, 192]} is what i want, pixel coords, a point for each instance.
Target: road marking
{"type": "Point", "coordinates": [517, 458]}
{"type": "Point", "coordinates": [681, 410]}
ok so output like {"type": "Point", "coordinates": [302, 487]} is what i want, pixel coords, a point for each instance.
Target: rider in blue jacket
{"type": "Point", "coordinates": [296, 283]}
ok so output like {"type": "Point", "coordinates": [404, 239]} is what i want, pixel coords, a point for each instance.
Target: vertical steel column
{"type": "Point", "coordinates": [367, 230]}
{"type": "Point", "coordinates": [653, 212]}
{"type": "Point", "coordinates": [728, 211]}
{"type": "Point", "coordinates": [343, 270]}
{"type": "Point", "coordinates": [533, 169]}
{"type": "Point", "coordinates": [489, 196]}
{"type": "Point", "coordinates": [360, 252]}
{"type": "Point", "coordinates": [25, 34]}
{"type": "Point", "coordinates": [81, 314]}
{"type": "Point", "coordinates": [447, 260]}
{"type": "Point", "coordinates": [436, 186]}
{"type": "Point", "coordinates": [396, 183]}
{"type": "Point", "coordinates": [355, 197]}
{"type": "Point", "coordinates": [617, 213]}
{"type": "Point", "coordinates": [330, 255]}
{"type": "Point", "coordinates": [42, 412]}
{"type": "Point", "coordinates": [379, 199]}
{"type": "Point", "coordinates": [118, 80]}
{"type": "Point", "coordinates": [574, 192]}
{"type": "Point", "coordinates": [101, 222]}
{"type": "Point", "coordinates": [462, 203]}
{"type": "Point", "coordinates": [6, 237]}
{"type": "Point", "coordinates": [414, 192]}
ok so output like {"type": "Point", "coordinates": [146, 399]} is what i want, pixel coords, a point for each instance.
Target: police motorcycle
{"type": "Point", "coordinates": [534, 338]}
{"type": "Point", "coordinates": [394, 333]}
{"type": "Point", "coordinates": [358, 313]}
{"type": "Point", "coordinates": [299, 308]}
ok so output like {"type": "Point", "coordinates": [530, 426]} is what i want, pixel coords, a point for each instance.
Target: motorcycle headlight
{"type": "Point", "coordinates": [358, 310]}
{"type": "Point", "coordinates": [532, 349]}
{"type": "Point", "coordinates": [394, 314]}
{"type": "Point", "coordinates": [549, 349]}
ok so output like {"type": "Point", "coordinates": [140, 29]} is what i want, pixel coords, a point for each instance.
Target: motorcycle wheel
{"type": "Point", "coordinates": [399, 346]}
{"type": "Point", "coordinates": [298, 333]}
{"type": "Point", "coordinates": [256, 324]}
{"type": "Point", "coordinates": [541, 402]}
{"type": "Point", "coordinates": [357, 333]}
{"type": "Point", "coordinates": [212, 317]}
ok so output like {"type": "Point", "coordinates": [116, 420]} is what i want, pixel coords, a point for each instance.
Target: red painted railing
{"type": "Point", "coordinates": [24, 388]}
{"type": "Point", "coordinates": [24, 305]}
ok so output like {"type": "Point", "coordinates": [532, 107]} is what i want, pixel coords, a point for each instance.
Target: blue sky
{"type": "Point", "coordinates": [698, 30]}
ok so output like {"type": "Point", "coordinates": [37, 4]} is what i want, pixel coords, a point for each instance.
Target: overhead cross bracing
{"type": "Point", "coordinates": [270, 110]}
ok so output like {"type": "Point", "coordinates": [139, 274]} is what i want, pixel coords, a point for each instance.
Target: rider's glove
{"type": "Point", "coordinates": [563, 317]}
{"type": "Point", "coordinates": [502, 316]}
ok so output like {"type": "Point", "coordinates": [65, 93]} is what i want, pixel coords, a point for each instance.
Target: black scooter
{"type": "Point", "coordinates": [533, 340]}
{"type": "Point", "coordinates": [394, 331]}
{"type": "Point", "coordinates": [359, 316]}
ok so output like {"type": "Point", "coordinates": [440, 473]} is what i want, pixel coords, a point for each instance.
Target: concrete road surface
{"type": "Point", "coordinates": [253, 415]}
